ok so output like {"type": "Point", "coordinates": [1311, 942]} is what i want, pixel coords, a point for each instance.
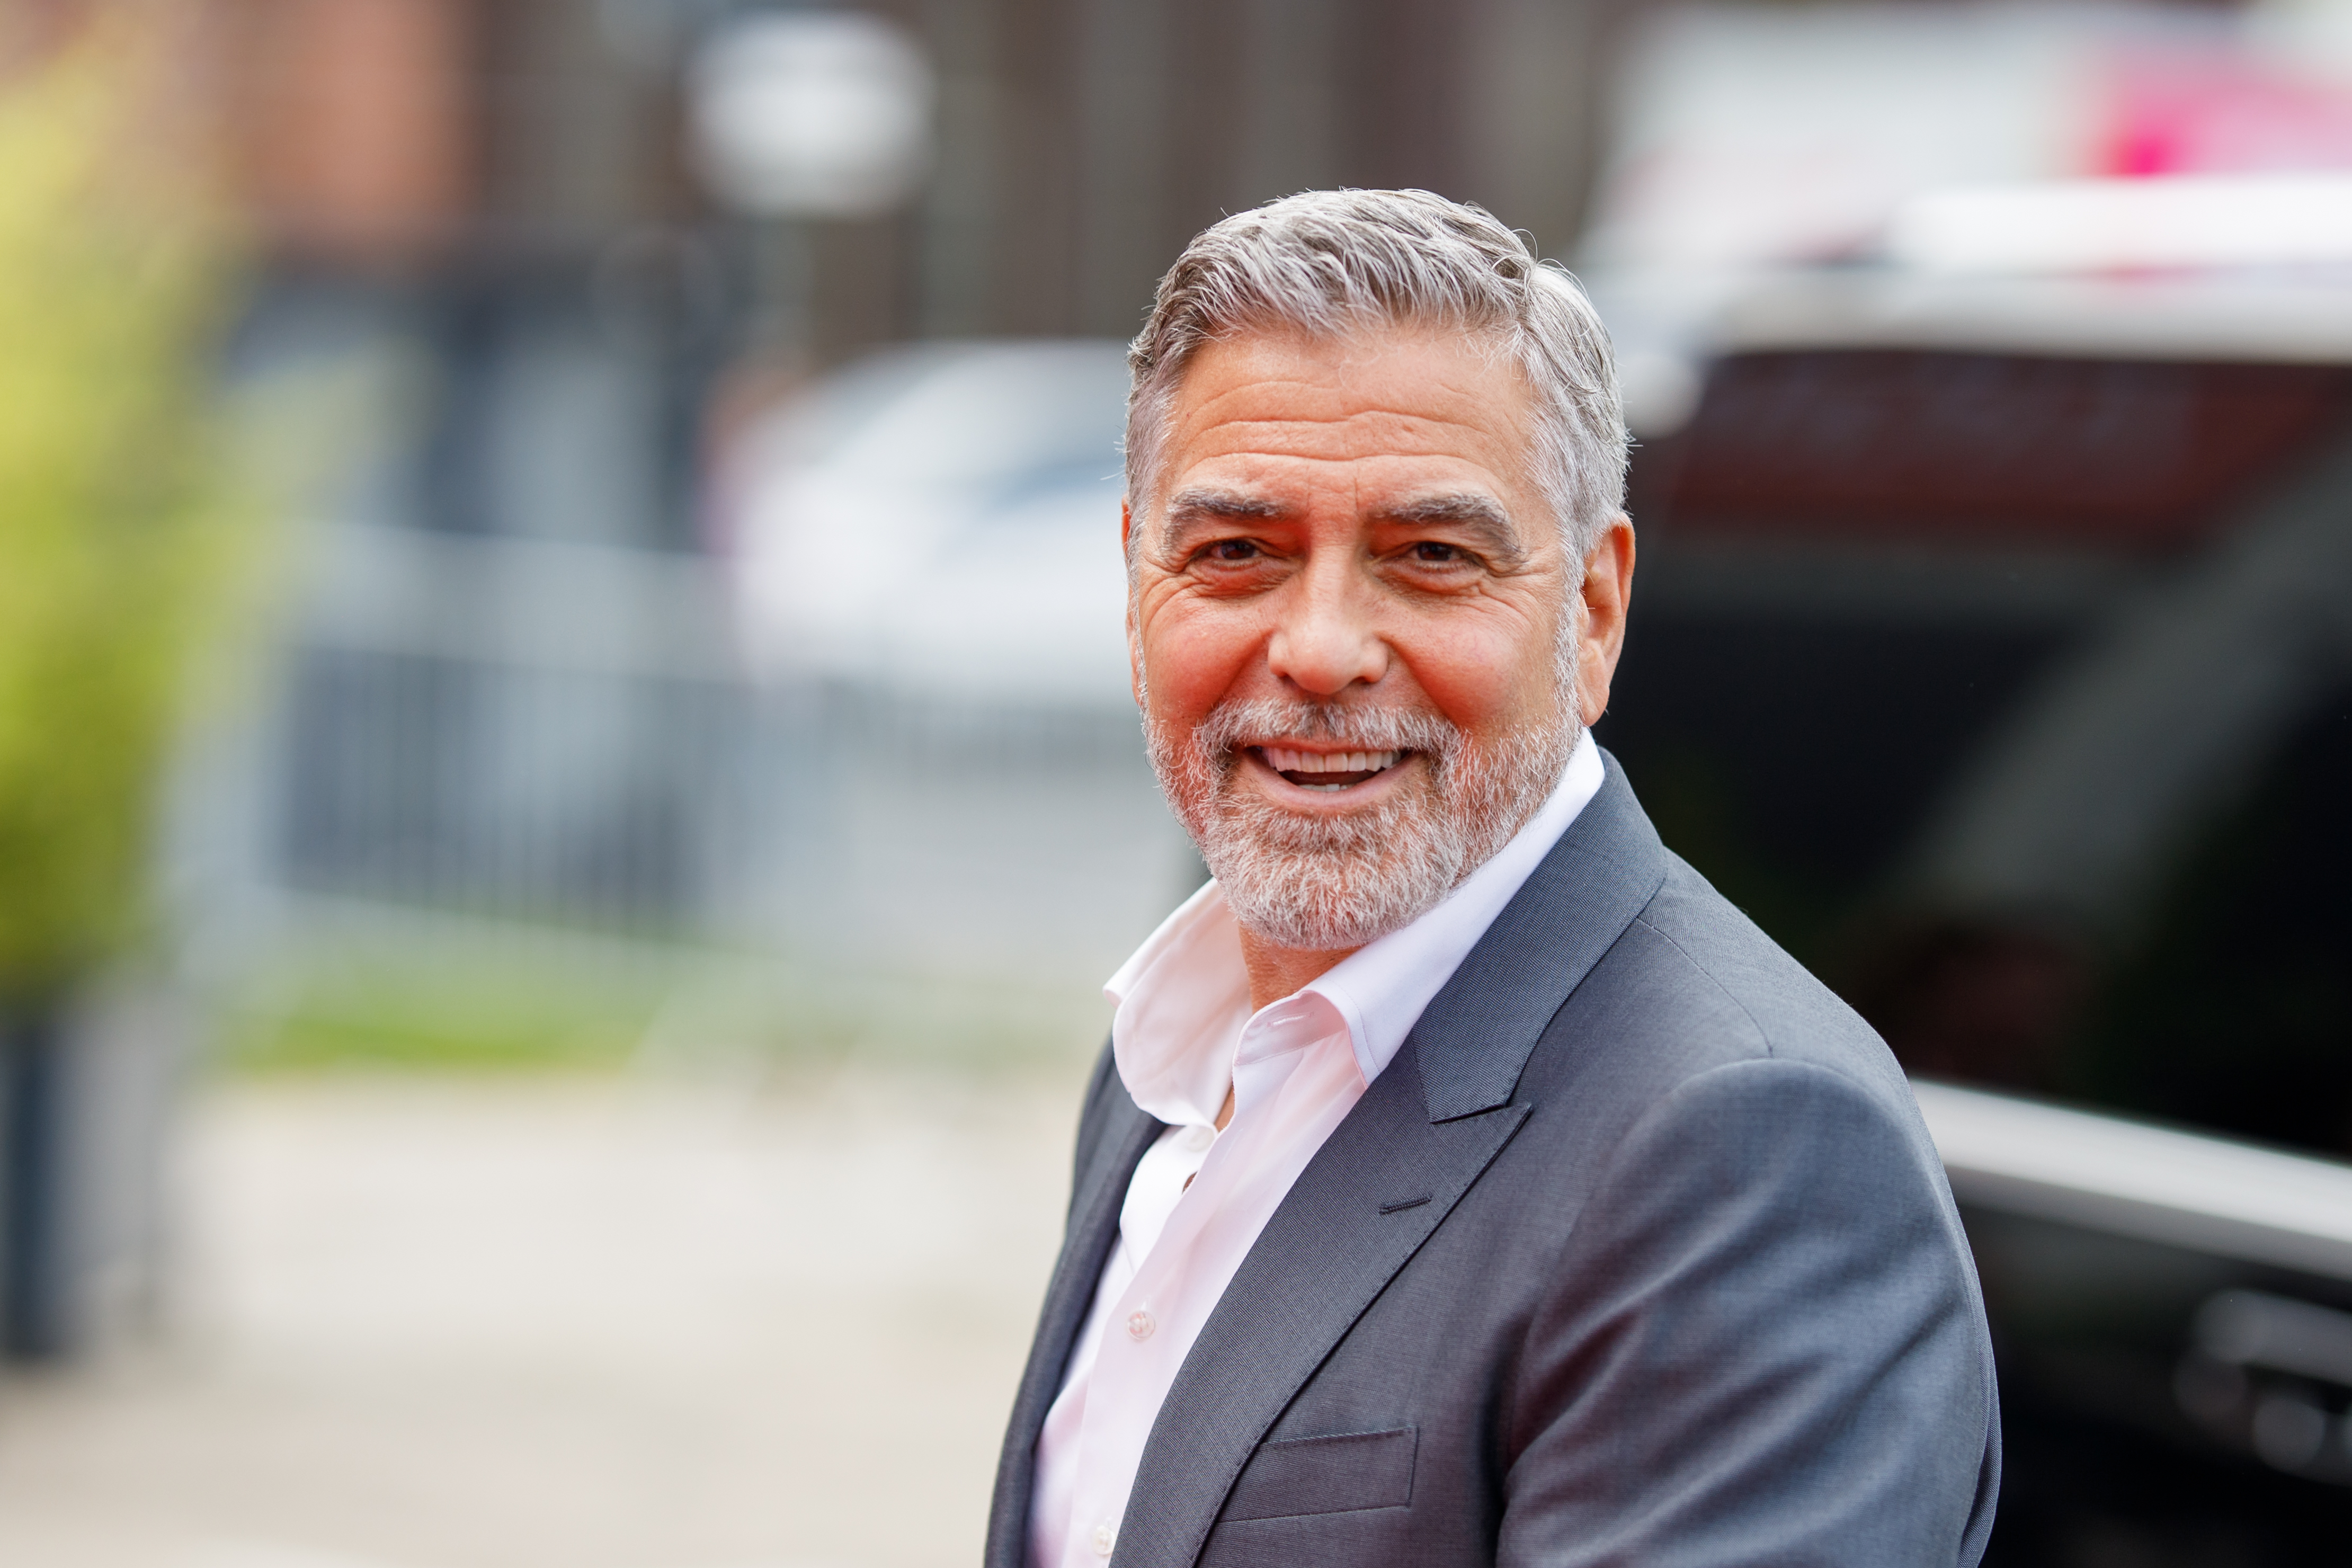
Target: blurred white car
{"type": "Point", "coordinates": [925, 562]}
{"type": "Point", "coordinates": [941, 520]}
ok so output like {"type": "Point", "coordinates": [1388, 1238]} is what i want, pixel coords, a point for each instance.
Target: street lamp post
{"type": "Point", "coordinates": [797, 116]}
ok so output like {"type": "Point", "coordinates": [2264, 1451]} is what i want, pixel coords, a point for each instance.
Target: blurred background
{"type": "Point", "coordinates": [567, 784]}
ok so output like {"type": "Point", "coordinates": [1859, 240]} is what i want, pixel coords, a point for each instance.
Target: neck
{"type": "Point", "coordinates": [1276, 972]}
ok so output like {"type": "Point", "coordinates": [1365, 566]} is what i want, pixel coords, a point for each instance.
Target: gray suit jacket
{"type": "Point", "coordinates": [1638, 1253]}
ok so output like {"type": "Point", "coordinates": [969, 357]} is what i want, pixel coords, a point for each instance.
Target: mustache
{"type": "Point", "coordinates": [1233, 725]}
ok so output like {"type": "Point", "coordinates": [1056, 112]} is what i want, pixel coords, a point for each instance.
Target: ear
{"type": "Point", "coordinates": [1606, 597]}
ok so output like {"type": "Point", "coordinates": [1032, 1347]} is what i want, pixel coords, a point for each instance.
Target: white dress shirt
{"type": "Point", "coordinates": [1183, 1034]}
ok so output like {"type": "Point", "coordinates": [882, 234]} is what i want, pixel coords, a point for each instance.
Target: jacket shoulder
{"type": "Point", "coordinates": [1693, 986]}
{"type": "Point", "coordinates": [1741, 992]}
{"type": "Point", "coordinates": [1717, 1126]}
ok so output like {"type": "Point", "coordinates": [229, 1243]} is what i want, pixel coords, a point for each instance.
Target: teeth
{"type": "Point", "coordinates": [1283, 759]}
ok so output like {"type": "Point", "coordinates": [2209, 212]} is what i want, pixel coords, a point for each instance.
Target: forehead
{"type": "Point", "coordinates": [1395, 403]}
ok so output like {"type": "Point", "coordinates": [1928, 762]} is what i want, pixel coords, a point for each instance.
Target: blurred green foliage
{"type": "Point", "coordinates": [481, 1016]}
{"type": "Point", "coordinates": [119, 526]}
{"type": "Point", "coordinates": [499, 1008]}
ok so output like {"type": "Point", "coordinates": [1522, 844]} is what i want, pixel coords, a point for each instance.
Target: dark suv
{"type": "Point", "coordinates": [1993, 649]}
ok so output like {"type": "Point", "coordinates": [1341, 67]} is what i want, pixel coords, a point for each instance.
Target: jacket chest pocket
{"type": "Point", "coordinates": [1337, 1474]}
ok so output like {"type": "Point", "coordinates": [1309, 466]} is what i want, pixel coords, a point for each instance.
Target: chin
{"type": "Point", "coordinates": [1313, 871]}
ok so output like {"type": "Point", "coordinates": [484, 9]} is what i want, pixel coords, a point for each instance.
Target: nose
{"type": "Point", "coordinates": [1324, 640]}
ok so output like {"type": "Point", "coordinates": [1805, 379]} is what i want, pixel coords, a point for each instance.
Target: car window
{"type": "Point", "coordinates": [2013, 694]}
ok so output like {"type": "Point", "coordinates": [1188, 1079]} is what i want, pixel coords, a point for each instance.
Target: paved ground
{"type": "Point", "coordinates": [564, 1324]}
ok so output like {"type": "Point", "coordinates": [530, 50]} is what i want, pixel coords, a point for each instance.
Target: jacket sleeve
{"type": "Point", "coordinates": [1763, 1344]}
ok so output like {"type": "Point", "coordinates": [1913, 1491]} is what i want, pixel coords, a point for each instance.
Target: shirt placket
{"type": "Point", "coordinates": [1130, 1356]}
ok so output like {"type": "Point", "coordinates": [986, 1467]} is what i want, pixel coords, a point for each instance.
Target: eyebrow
{"type": "Point", "coordinates": [1478, 514]}
{"type": "Point", "coordinates": [1202, 505]}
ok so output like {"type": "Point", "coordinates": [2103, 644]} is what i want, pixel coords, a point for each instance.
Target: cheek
{"type": "Point", "coordinates": [1487, 673]}
{"type": "Point", "coordinates": [1192, 655]}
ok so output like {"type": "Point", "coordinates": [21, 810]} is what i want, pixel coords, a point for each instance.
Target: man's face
{"type": "Point", "coordinates": [1353, 625]}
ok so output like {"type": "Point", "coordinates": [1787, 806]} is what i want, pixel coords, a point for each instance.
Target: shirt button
{"type": "Point", "coordinates": [1196, 1138]}
{"type": "Point", "coordinates": [1139, 1325]}
{"type": "Point", "coordinates": [1103, 1540]}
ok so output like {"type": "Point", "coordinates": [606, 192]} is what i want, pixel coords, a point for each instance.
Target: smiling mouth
{"type": "Point", "coordinates": [1327, 769]}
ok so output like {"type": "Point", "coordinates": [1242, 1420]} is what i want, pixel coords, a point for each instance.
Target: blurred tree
{"type": "Point", "coordinates": [119, 523]}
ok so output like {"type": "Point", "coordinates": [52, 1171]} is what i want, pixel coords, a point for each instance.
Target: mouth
{"type": "Point", "coordinates": [1326, 771]}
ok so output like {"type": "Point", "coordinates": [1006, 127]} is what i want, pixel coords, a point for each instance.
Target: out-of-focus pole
{"type": "Point", "coordinates": [783, 280]}
{"type": "Point", "coordinates": [797, 116]}
{"type": "Point", "coordinates": [34, 1310]}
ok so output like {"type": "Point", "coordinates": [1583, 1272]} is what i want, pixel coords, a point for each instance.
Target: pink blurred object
{"type": "Point", "coordinates": [2220, 115]}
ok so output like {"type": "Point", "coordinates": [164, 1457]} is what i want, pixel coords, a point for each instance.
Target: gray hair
{"type": "Point", "coordinates": [1327, 263]}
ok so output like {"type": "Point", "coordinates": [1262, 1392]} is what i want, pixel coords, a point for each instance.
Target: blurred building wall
{"type": "Point", "coordinates": [439, 143]}
{"type": "Point", "coordinates": [1083, 142]}
{"type": "Point", "coordinates": [354, 126]}
{"type": "Point", "coordinates": [1080, 141]}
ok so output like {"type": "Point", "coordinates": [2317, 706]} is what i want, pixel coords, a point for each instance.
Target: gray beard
{"type": "Point", "coordinates": [1319, 884]}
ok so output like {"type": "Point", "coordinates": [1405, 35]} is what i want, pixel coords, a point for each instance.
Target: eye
{"type": "Point", "coordinates": [1231, 550]}
{"type": "Point", "coordinates": [1434, 553]}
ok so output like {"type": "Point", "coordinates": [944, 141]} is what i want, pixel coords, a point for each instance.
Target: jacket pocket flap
{"type": "Point", "coordinates": [1337, 1474]}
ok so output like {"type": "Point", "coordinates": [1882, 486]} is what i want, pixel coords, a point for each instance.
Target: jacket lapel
{"type": "Point", "coordinates": [1096, 1200]}
{"type": "Point", "coordinates": [1384, 1181]}
{"type": "Point", "coordinates": [1327, 1251]}
{"type": "Point", "coordinates": [1479, 1031]}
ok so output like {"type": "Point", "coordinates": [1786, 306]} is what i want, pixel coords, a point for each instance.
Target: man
{"type": "Point", "coordinates": [1467, 1182]}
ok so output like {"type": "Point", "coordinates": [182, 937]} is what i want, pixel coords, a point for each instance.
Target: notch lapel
{"type": "Point", "coordinates": [1478, 1032]}
{"type": "Point", "coordinates": [1427, 1129]}
{"type": "Point", "coordinates": [1327, 1251]}
{"type": "Point", "coordinates": [1096, 1199]}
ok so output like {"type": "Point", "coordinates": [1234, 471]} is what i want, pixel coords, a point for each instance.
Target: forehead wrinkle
{"type": "Point", "coordinates": [1323, 403]}
{"type": "Point", "coordinates": [1230, 406]}
{"type": "Point", "coordinates": [1480, 429]}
